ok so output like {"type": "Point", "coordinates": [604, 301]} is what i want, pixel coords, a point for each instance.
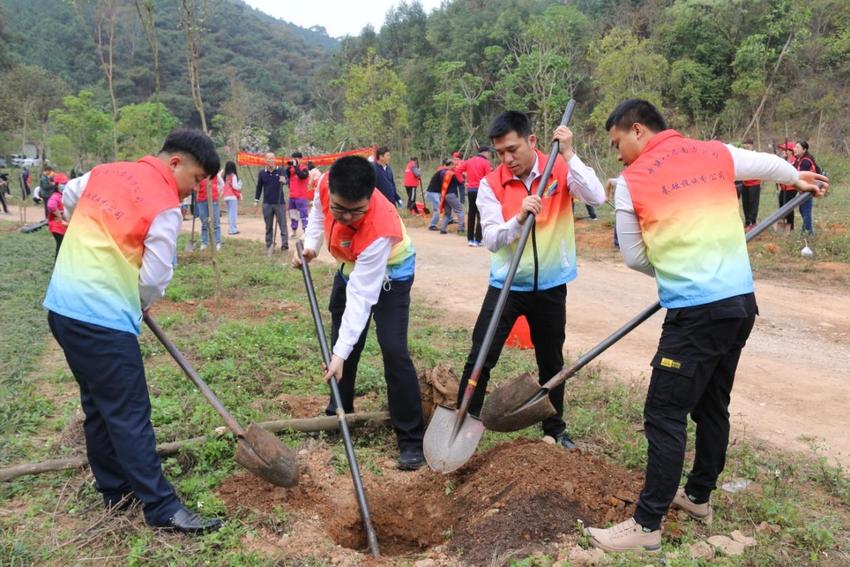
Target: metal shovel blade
{"type": "Point", "coordinates": [262, 453]}
{"type": "Point", "coordinates": [516, 405]}
{"type": "Point", "coordinates": [444, 453]}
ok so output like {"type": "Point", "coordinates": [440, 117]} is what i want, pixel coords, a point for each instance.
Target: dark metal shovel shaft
{"type": "Point", "coordinates": [193, 376]}
{"type": "Point", "coordinates": [652, 309]}
{"type": "Point", "coordinates": [340, 412]}
{"type": "Point", "coordinates": [490, 334]}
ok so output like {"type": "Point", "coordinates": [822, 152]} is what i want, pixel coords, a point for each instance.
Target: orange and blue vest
{"type": "Point", "coordinates": [549, 258]}
{"type": "Point", "coordinates": [684, 197]}
{"type": "Point", "coordinates": [96, 276]}
{"type": "Point", "coordinates": [347, 242]}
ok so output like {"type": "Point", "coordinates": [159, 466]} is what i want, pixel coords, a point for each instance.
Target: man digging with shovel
{"type": "Point", "coordinates": [677, 220]}
{"type": "Point", "coordinates": [115, 260]}
{"type": "Point", "coordinates": [376, 266]}
{"type": "Point", "coordinates": [506, 198]}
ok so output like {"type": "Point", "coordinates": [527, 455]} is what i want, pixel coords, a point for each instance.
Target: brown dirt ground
{"type": "Point", "coordinates": [523, 495]}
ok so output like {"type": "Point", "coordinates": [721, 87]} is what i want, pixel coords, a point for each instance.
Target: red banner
{"type": "Point", "coordinates": [245, 158]}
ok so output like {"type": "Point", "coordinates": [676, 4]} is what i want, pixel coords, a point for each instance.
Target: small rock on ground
{"type": "Point", "coordinates": [425, 563]}
{"type": "Point", "coordinates": [578, 557]}
{"type": "Point", "coordinates": [726, 545]}
{"type": "Point", "coordinates": [701, 550]}
{"type": "Point", "coordinates": [744, 540]}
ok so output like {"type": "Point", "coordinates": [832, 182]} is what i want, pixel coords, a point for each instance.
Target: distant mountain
{"type": "Point", "coordinates": [272, 57]}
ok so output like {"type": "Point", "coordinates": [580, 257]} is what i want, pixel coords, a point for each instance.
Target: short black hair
{"type": "Point", "coordinates": [310, 166]}
{"type": "Point", "coordinates": [636, 111]}
{"type": "Point", "coordinates": [382, 150]}
{"type": "Point", "coordinates": [448, 161]}
{"type": "Point", "coordinates": [352, 178]}
{"type": "Point", "coordinates": [510, 121]}
{"type": "Point", "coordinates": [414, 158]}
{"type": "Point", "coordinates": [297, 155]}
{"type": "Point", "coordinates": [804, 144]}
{"type": "Point", "coordinates": [195, 143]}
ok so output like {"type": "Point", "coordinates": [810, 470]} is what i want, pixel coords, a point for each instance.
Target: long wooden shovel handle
{"type": "Point", "coordinates": [193, 376]}
{"type": "Point", "coordinates": [509, 277]}
{"type": "Point", "coordinates": [648, 312]}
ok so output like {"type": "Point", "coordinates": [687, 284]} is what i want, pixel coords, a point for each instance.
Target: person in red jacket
{"type": "Point", "coordinates": [412, 178]}
{"type": "Point", "coordinates": [204, 209]}
{"type": "Point", "coordinates": [787, 192]}
{"type": "Point", "coordinates": [298, 203]}
{"type": "Point", "coordinates": [56, 223]}
{"type": "Point", "coordinates": [475, 169]}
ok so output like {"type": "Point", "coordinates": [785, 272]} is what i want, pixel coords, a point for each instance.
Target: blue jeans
{"type": "Point", "coordinates": [434, 202]}
{"type": "Point", "coordinates": [232, 211]}
{"type": "Point", "coordinates": [806, 213]}
{"type": "Point", "coordinates": [203, 213]}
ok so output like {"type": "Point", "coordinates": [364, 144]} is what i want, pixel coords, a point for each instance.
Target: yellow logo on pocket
{"type": "Point", "coordinates": [670, 363]}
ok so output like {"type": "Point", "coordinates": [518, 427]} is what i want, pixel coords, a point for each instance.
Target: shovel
{"type": "Point", "coordinates": [257, 450]}
{"type": "Point", "coordinates": [452, 436]}
{"type": "Point", "coordinates": [522, 402]}
{"type": "Point", "coordinates": [340, 413]}
{"type": "Point", "coordinates": [190, 246]}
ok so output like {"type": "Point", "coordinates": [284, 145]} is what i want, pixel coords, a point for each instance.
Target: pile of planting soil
{"type": "Point", "coordinates": [516, 499]}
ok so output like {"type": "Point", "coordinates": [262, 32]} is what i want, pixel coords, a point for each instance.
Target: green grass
{"type": "Point", "coordinates": [257, 341]}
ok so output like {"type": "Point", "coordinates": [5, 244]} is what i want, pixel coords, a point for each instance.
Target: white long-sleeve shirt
{"type": "Point", "coordinates": [160, 243]}
{"type": "Point", "coordinates": [498, 232]}
{"type": "Point", "coordinates": [364, 283]}
{"type": "Point", "coordinates": [748, 165]}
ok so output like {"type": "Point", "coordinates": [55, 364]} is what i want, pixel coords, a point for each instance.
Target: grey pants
{"type": "Point", "coordinates": [269, 214]}
{"type": "Point", "coordinates": [452, 204]}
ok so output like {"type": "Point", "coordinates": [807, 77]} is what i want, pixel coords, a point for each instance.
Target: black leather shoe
{"type": "Point", "coordinates": [187, 522]}
{"type": "Point", "coordinates": [411, 460]}
{"type": "Point", "coordinates": [564, 441]}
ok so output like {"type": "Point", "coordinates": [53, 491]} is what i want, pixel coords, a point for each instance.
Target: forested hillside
{"type": "Point", "coordinates": [430, 83]}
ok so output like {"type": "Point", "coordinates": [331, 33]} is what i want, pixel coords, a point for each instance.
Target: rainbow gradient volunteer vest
{"type": "Point", "coordinates": [96, 276]}
{"type": "Point", "coordinates": [346, 243]}
{"type": "Point", "coordinates": [549, 258]}
{"type": "Point", "coordinates": [684, 196]}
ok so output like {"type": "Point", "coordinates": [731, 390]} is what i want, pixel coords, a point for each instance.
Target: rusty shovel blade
{"type": "Point", "coordinates": [520, 403]}
{"type": "Point", "coordinates": [262, 453]}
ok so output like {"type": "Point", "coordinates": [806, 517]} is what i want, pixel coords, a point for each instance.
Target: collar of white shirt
{"type": "Point", "coordinates": [533, 174]}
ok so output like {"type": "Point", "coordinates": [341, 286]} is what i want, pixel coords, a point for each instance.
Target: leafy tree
{"type": "Point", "coordinates": [461, 95]}
{"type": "Point", "coordinates": [626, 67]}
{"type": "Point", "coordinates": [142, 128]}
{"type": "Point", "coordinates": [374, 104]}
{"type": "Point", "coordinates": [30, 93]}
{"type": "Point", "coordinates": [88, 127]}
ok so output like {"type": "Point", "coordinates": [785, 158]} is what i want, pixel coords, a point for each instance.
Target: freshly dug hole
{"type": "Point", "coordinates": [515, 499]}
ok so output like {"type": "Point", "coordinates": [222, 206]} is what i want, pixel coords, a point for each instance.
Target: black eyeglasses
{"type": "Point", "coordinates": [341, 211]}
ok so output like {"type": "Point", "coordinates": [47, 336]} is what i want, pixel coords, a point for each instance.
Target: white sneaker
{"type": "Point", "coordinates": [203, 246]}
{"type": "Point", "coordinates": [218, 246]}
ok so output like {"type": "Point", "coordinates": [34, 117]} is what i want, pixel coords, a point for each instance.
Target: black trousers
{"type": "Point", "coordinates": [473, 222]}
{"type": "Point", "coordinates": [693, 372]}
{"type": "Point", "coordinates": [270, 212]}
{"type": "Point", "coordinates": [784, 197]}
{"type": "Point", "coordinates": [411, 198]}
{"type": "Point", "coordinates": [120, 442]}
{"type": "Point", "coordinates": [391, 314]}
{"type": "Point", "coordinates": [3, 200]}
{"type": "Point", "coordinates": [546, 312]}
{"type": "Point", "coordinates": [58, 238]}
{"type": "Point", "coordinates": [750, 201]}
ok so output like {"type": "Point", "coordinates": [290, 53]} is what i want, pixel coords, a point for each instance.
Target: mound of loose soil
{"type": "Point", "coordinates": [518, 497]}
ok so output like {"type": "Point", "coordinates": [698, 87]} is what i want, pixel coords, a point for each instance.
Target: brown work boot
{"type": "Point", "coordinates": [625, 536]}
{"type": "Point", "coordinates": [700, 512]}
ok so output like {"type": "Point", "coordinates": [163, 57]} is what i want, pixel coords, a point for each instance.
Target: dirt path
{"type": "Point", "coordinates": [793, 383]}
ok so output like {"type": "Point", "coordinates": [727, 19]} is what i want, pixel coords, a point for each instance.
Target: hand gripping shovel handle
{"type": "Point", "coordinates": [340, 412]}
{"type": "Point", "coordinates": [509, 278]}
{"type": "Point", "coordinates": [193, 376]}
{"type": "Point", "coordinates": [568, 373]}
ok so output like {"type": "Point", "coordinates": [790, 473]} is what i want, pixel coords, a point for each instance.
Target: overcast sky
{"type": "Point", "coordinates": [339, 17]}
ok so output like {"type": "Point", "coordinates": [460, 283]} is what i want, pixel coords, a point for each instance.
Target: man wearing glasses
{"type": "Point", "coordinates": [376, 265]}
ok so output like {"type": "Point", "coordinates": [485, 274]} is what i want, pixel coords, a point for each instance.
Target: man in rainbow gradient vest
{"type": "Point", "coordinates": [115, 260]}
{"type": "Point", "coordinates": [506, 196]}
{"type": "Point", "coordinates": [677, 220]}
{"type": "Point", "coordinates": [376, 266]}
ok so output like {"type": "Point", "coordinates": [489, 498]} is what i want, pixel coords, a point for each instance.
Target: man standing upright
{"type": "Point", "coordinates": [270, 186]}
{"type": "Point", "coordinates": [678, 220]}
{"type": "Point", "coordinates": [384, 180]}
{"type": "Point", "coordinates": [506, 197]}
{"type": "Point", "coordinates": [476, 169]}
{"type": "Point", "coordinates": [115, 260]}
{"type": "Point", "coordinates": [750, 194]}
